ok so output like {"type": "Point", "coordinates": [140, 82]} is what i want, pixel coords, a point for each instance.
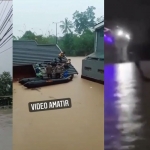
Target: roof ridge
{"type": "Point", "coordinates": [34, 42]}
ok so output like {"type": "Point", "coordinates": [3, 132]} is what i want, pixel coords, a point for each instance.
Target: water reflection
{"type": "Point", "coordinates": [124, 117]}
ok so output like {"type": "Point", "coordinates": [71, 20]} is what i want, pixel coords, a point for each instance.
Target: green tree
{"type": "Point", "coordinates": [80, 43]}
{"type": "Point", "coordinates": [84, 20]}
{"type": "Point", "coordinates": [85, 43]}
{"type": "Point", "coordinates": [5, 84]}
{"type": "Point", "coordinates": [75, 45]}
{"type": "Point", "coordinates": [67, 43]}
{"type": "Point", "coordinates": [28, 35]}
{"type": "Point", "coordinates": [98, 20]}
{"type": "Point", "coordinates": [14, 38]}
{"type": "Point", "coordinates": [66, 26]}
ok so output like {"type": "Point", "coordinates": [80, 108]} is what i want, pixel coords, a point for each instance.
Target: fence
{"type": "Point", "coordinates": [5, 101]}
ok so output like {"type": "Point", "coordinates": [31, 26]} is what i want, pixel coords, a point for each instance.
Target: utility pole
{"type": "Point", "coordinates": [56, 31]}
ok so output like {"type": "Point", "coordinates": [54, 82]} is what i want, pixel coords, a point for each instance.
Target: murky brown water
{"type": "Point", "coordinates": [127, 108]}
{"type": "Point", "coordinates": [5, 129]}
{"type": "Point", "coordinates": [78, 128]}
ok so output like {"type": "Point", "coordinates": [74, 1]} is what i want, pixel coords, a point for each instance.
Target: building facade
{"type": "Point", "coordinates": [93, 64]}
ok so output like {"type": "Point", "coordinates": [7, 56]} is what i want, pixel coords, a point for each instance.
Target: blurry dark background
{"type": "Point", "coordinates": [127, 95]}
{"type": "Point", "coordinates": [134, 15]}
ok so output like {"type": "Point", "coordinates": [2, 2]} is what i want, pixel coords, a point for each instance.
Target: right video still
{"type": "Point", "coordinates": [58, 65]}
{"type": "Point", "coordinates": [127, 75]}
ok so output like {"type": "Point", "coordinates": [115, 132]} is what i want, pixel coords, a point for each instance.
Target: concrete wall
{"type": "Point", "coordinates": [6, 42]}
{"type": "Point", "coordinates": [93, 69]}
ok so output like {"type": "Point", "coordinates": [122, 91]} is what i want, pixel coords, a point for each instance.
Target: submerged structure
{"type": "Point", "coordinates": [93, 64]}
{"type": "Point", "coordinates": [28, 53]}
{"type": "Point", "coordinates": [5, 101]}
{"type": "Point", "coordinates": [44, 80]}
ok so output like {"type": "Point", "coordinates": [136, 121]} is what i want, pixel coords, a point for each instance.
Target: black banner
{"type": "Point", "coordinates": [50, 105]}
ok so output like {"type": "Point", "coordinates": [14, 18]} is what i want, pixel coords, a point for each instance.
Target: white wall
{"type": "Point", "coordinates": [6, 56]}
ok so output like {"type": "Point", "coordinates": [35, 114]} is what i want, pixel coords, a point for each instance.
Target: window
{"type": "Point", "coordinates": [88, 68]}
{"type": "Point", "coordinates": [100, 71]}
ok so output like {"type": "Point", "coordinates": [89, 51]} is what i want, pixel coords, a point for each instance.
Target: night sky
{"type": "Point", "coordinates": [131, 14]}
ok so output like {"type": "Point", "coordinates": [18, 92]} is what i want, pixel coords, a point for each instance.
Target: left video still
{"type": "Point", "coordinates": [58, 66]}
{"type": "Point", "coordinates": [6, 25]}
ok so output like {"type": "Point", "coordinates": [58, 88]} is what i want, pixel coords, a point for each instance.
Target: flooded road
{"type": "Point", "coordinates": [127, 107]}
{"type": "Point", "coordinates": [5, 129]}
{"type": "Point", "coordinates": [78, 128]}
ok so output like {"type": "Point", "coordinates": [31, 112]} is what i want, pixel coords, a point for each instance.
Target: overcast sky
{"type": "Point", "coordinates": [6, 47]}
{"type": "Point", "coordinates": [38, 15]}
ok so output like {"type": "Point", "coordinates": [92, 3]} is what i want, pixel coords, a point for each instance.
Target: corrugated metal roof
{"type": "Point", "coordinates": [96, 55]}
{"type": "Point", "coordinates": [29, 53]}
{"type": "Point", "coordinates": [99, 25]}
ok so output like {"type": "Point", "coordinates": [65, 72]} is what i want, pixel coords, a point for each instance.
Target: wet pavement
{"type": "Point", "coordinates": [127, 107]}
{"type": "Point", "coordinates": [5, 129]}
{"type": "Point", "coordinates": [114, 55]}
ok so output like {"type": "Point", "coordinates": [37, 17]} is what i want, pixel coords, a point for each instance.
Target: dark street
{"type": "Point", "coordinates": [127, 96]}
{"type": "Point", "coordinates": [127, 103]}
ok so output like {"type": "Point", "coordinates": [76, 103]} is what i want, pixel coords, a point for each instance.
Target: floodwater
{"type": "Point", "coordinates": [127, 107]}
{"type": "Point", "coordinates": [5, 129]}
{"type": "Point", "coordinates": [78, 128]}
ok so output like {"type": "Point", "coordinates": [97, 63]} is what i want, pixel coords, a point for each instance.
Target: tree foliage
{"type": "Point", "coordinates": [40, 39]}
{"type": "Point", "coordinates": [14, 38]}
{"type": "Point", "coordinates": [5, 84]}
{"type": "Point", "coordinates": [28, 35]}
{"type": "Point", "coordinates": [84, 20]}
{"type": "Point", "coordinates": [98, 20]}
{"type": "Point", "coordinates": [66, 26]}
{"type": "Point", "coordinates": [75, 45]}
{"type": "Point", "coordinates": [78, 43]}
